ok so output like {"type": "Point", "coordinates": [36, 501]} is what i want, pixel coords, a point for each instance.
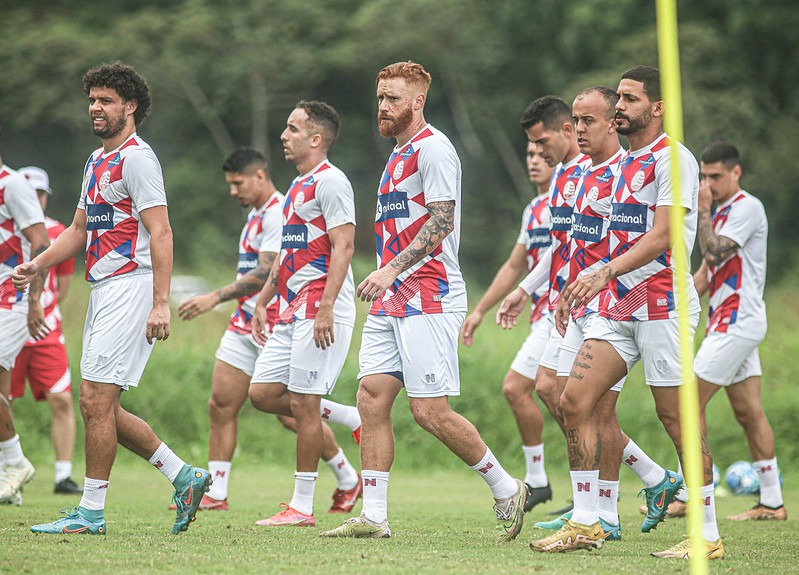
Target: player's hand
{"type": "Point", "coordinates": [258, 325]}
{"type": "Point", "coordinates": [158, 323]}
{"type": "Point", "coordinates": [562, 316]}
{"type": "Point", "coordinates": [36, 325]}
{"type": "Point", "coordinates": [323, 327]}
{"type": "Point", "coordinates": [23, 274]}
{"type": "Point", "coordinates": [583, 289]}
{"type": "Point", "coordinates": [197, 305]}
{"type": "Point", "coordinates": [511, 307]}
{"type": "Point", "coordinates": [376, 284]}
{"type": "Point", "coordinates": [705, 200]}
{"type": "Point", "coordinates": [472, 322]}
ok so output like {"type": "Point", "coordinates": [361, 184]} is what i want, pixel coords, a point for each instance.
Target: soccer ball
{"type": "Point", "coordinates": [742, 479]}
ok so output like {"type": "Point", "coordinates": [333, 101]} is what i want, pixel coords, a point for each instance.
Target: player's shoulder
{"type": "Point", "coordinates": [331, 175]}
{"type": "Point", "coordinates": [748, 204]}
{"type": "Point", "coordinates": [13, 182]}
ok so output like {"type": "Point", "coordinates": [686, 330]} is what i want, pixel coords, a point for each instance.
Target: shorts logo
{"type": "Point", "coordinates": [662, 365]}
{"type": "Point", "coordinates": [391, 206]}
{"type": "Point", "coordinates": [99, 217]}
{"type": "Point", "coordinates": [299, 200]}
{"type": "Point", "coordinates": [430, 378]}
{"type": "Point", "coordinates": [295, 236]}
{"type": "Point", "coordinates": [628, 217]}
{"type": "Point", "coordinates": [398, 169]}
{"type": "Point", "coordinates": [662, 301]}
{"type": "Point", "coordinates": [569, 189]}
{"type": "Point", "coordinates": [105, 180]}
{"type": "Point", "coordinates": [561, 218]}
{"type": "Point", "coordinates": [638, 181]}
{"type": "Point", "coordinates": [313, 375]}
{"type": "Point", "coordinates": [593, 194]}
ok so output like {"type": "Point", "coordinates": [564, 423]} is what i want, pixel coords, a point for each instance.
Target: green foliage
{"type": "Point", "coordinates": [227, 73]}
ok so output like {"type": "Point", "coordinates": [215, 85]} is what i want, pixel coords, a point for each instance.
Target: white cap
{"type": "Point", "coordinates": [37, 178]}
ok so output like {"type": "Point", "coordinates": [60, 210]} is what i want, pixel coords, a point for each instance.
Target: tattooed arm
{"type": "Point", "coordinates": [247, 284]}
{"type": "Point", "coordinates": [715, 248]}
{"type": "Point", "coordinates": [431, 234]}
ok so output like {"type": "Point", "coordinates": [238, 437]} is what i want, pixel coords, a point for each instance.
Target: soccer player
{"type": "Point", "coordinates": [312, 279]}
{"type": "Point", "coordinates": [44, 362]}
{"type": "Point", "coordinates": [593, 114]}
{"type": "Point", "coordinates": [733, 244]}
{"type": "Point", "coordinates": [22, 234]}
{"type": "Point", "coordinates": [122, 222]}
{"type": "Point", "coordinates": [519, 382]}
{"type": "Point", "coordinates": [248, 175]}
{"type": "Point", "coordinates": [637, 317]}
{"type": "Point", "coordinates": [418, 300]}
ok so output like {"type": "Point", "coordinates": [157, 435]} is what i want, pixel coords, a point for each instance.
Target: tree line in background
{"type": "Point", "coordinates": [227, 73]}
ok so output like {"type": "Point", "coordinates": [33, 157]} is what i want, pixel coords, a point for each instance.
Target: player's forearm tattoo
{"type": "Point", "coordinates": [250, 282]}
{"type": "Point", "coordinates": [715, 249]}
{"type": "Point", "coordinates": [431, 234]}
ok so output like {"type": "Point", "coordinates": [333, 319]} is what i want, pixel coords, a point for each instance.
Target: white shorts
{"type": "Point", "coordinates": [551, 354]}
{"type": "Point", "coordinates": [13, 335]}
{"type": "Point", "coordinates": [529, 355]}
{"type": "Point", "coordinates": [572, 342]}
{"type": "Point", "coordinates": [420, 350]}
{"type": "Point", "coordinates": [115, 348]}
{"type": "Point", "coordinates": [291, 357]}
{"type": "Point", "coordinates": [239, 350]}
{"type": "Point", "coordinates": [724, 359]}
{"type": "Point", "coordinates": [655, 342]}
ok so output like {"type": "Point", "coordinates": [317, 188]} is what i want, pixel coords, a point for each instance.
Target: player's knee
{"type": "Point", "coordinates": [513, 390]}
{"type": "Point", "coordinates": [258, 397]}
{"type": "Point", "coordinates": [670, 418]}
{"type": "Point", "coordinates": [369, 404]}
{"type": "Point", "coordinates": [424, 417]}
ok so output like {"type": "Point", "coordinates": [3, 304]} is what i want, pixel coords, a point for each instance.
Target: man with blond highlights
{"type": "Point", "coordinates": [418, 297]}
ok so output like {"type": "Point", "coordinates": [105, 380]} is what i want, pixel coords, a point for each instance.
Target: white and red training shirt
{"type": "Point", "coordinates": [260, 234]}
{"type": "Point", "coordinates": [643, 184]}
{"type": "Point", "coordinates": [117, 187]}
{"type": "Point", "coordinates": [424, 170]}
{"type": "Point", "coordinates": [534, 236]}
{"type": "Point", "coordinates": [19, 209]}
{"type": "Point", "coordinates": [736, 284]}
{"type": "Point", "coordinates": [317, 201]}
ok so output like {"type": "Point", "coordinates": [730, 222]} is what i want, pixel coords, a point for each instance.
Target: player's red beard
{"type": "Point", "coordinates": [113, 126]}
{"type": "Point", "coordinates": [390, 128]}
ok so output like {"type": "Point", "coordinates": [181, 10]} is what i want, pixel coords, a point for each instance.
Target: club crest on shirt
{"type": "Point", "coordinates": [569, 189]}
{"type": "Point", "coordinates": [105, 180]}
{"type": "Point", "coordinates": [398, 169]}
{"type": "Point", "coordinates": [638, 181]}
{"type": "Point", "coordinates": [299, 200]}
{"type": "Point", "coordinates": [593, 194]}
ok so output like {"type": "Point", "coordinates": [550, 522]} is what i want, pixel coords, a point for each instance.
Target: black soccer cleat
{"type": "Point", "coordinates": [68, 487]}
{"type": "Point", "coordinates": [536, 495]}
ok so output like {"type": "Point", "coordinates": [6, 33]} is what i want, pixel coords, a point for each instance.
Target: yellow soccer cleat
{"type": "Point", "coordinates": [571, 537]}
{"type": "Point", "coordinates": [682, 550]}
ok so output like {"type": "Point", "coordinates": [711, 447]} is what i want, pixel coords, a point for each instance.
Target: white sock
{"type": "Point", "coordinates": [94, 492]}
{"type": "Point", "coordinates": [639, 462]}
{"type": "Point", "coordinates": [682, 494]}
{"type": "Point", "coordinates": [220, 474]}
{"type": "Point", "coordinates": [2, 459]}
{"type": "Point", "coordinates": [341, 414]}
{"type": "Point", "coordinates": [585, 489]}
{"type": "Point", "coordinates": [609, 501]}
{"type": "Point", "coordinates": [165, 460]}
{"type": "Point", "coordinates": [536, 475]}
{"type": "Point", "coordinates": [12, 450]}
{"type": "Point", "coordinates": [304, 484]}
{"type": "Point", "coordinates": [501, 484]}
{"type": "Point", "coordinates": [770, 489]}
{"type": "Point", "coordinates": [375, 495]}
{"type": "Point", "coordinates": [63, 470]}
{"type": "Point", "coordinates": [710, 529]}
{"type": "Point", "coordinates": [346, 476]}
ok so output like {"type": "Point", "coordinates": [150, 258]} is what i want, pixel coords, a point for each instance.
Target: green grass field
{"type": "Point", "coordinates": [441, 520]}
{"type": "Point", "coordinates": [440, 511]}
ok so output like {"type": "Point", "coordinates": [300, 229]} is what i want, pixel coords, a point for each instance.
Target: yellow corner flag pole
{"type": "Point", "coordinates": [668, 48]}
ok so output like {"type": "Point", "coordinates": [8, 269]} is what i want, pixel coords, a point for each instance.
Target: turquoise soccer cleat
{"type": "Point", "coordinates": [189, 491]}
{"type": "Point", "coordinates": [75, 520]}
{"type": "Point", "coordinates": [658, 499]}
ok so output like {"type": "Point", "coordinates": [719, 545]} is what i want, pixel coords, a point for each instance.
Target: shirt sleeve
{"type": "Point", "coordinates": [689, 179]}
{"type": "Point", "coordinates": [336, 199]}
{"type": "Point", "coordinates": [522, 239]}
{"type": "Point", "coordinates": [143, 179]}
{"type": "Point", "coordinates": [539, 274]}
{"type": "Point", "coordinates": [440, 172]}
{"type": "Point", "coordinates": [743, 221]}
{"type": "Point", "coordinates": [272, 226]}
{"type": "Point", "coordinates": [23, 202]}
